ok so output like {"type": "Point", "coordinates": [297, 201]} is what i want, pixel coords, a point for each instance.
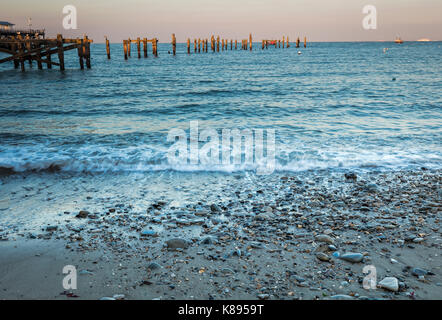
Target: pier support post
{"type": "Point", "coordinates": [21, 51]}
{"type": "Point", "coordinates": [145, 47]}
{"type": "Point", "coordinates": [80, 52]}
{"type": "Point", "coordinates": [108, 49]}
{"type": "Point", "coordinates": [173, 44]}
{"type": "Point", "coordinates": [88, 52]}
{"type": "Point", "coordinates": [305, 42]}
{"type": "Point", "coordinates": [288, 43]}
{"type": "Point", "coordinates": [250, 40]}
{"type": "Point", "coordinates": [188, 45]}
{"type": "Point", "coordinates": [28, 48]}
{"type": "Point", "coordinates": [125, 49]}
{"type": "Point", "coordinates": [60, 51]}
{"type": "Point", "coordinates": [128, 46]}
{"type": "Point", "coordinates": [139, 47]}
{"type": "Point", "coordinates": [155, 47]}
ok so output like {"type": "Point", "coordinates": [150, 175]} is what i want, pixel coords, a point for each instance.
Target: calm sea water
{"type": "Point", "coordinates": [336, 106]}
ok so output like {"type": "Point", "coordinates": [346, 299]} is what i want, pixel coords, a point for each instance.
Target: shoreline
{"type": "Point", "coordinates": [241, 236]}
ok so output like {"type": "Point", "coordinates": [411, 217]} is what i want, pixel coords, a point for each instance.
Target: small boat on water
{"type": "Point", "coordinates": [398, 40]}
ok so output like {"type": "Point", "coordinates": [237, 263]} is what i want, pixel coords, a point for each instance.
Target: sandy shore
{"type": "Point", "coordinates": [237, 236]}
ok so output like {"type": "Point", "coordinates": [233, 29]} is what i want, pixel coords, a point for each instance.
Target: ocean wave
{"type": "Point", "coordinates": [100, 160]}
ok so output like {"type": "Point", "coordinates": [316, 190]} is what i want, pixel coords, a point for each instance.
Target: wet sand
{"type": "Point", "coordinates": [238, 236]}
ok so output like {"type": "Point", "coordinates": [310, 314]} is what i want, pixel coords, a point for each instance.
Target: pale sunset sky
{"type": "Point", "coordinates": [319, 20]}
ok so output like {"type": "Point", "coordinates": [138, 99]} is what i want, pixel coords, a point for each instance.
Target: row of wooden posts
{"type": "Point", "coordinates": [30, 49]}
{"type": "Point", "coordinates": [200, 45]}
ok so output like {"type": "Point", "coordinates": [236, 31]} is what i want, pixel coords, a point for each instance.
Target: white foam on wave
{"type": "Point", "coordinates": [144, 158]}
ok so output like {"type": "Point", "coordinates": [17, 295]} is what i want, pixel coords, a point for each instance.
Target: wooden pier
{"type": "Point", "coordinates": [22, 49]}
{"type": "Point", "coordinates": [35, 48]}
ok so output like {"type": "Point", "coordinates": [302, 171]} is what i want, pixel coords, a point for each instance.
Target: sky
{"type": "Point", "coordinates": [318, 20]}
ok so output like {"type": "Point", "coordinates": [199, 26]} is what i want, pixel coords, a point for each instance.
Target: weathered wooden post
{"type": "Point", "coordinates": [194, 46]}
{"type": "Point", "coordinates": [236, 44]}
{"type": "Point", "coordinates": [88, 53]}
{"type": "Point", "coordinates": [28, 48]}
{"type": "Point", "coordinates": [139, 47]}
{"type": "Point", "coordinates": [128, 47]}
{"type": "Point", "coordinates": [250, 40]}
{"type": "Point", "coordinates": [173, 44]}
{"type": "Point", "coordinates": [145, 47]}
{"type": "Point", "coordinates": [207, 45]}
{"type": "Point", "coordinates": [60, 51]}
{"type": "Point", "coordinates": [49, 58]}
{"type": "Point", "coordinates": [21, 52]}
{"type": "Point", "coordinates": [199, 45]}
{"type": "Point", "coordinates": [39, 64]}
{"type": "Point", "coordinates": [262, 44]}
{"type": "Point", "coordinates": [80, 52]}
{"type": "Point", "coordinates": [108, 48]}
{"type": "Point", "coordinates": [188, 45]}
{"type": "Point", "coordinates": [212, 43]}
{"type": "Point", "coordinates": [155, 47]}
{"type": "Point", "coordinates": [283, 42]}
{"type": "Point", "coordinates": [217, 44]}
{"type": "Point", "coordinates": [288, 43]}
{"type": "Point", "coordinates": [279, 43]}
{"type": "Point", "coordinates": [297, 42]}
{"type": "Point", "coordinates": [14, 49]}
{"type": "Point", "coordinates": [125, 49]}
{"type": "Point", "coordinates": [305, 42]}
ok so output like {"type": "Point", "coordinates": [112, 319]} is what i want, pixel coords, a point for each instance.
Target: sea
{"type": "Point", "coordinates": [356, 106]}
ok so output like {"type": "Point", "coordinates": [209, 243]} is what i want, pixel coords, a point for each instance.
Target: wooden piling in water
{"type": "Point", "coordinates": [139, 47]}
{"type": "Point", "coordinates": [297, 42]}
{"type": "Point", "coordinates": [80, 52]}
{"type": "Point", "coordinates": [107, 49]}
{"type": "Point", "coordinates": [217, 44]}
{"type": "Point", "coordinates": [173, 44]}
{"type": "Point", "coordinates": [250, 40]}
{"type": "Point", "coordinates": [155, 47]}
{"type": "Point", "coordinates": [236, 44]}
{"type": "Point", "coordinates": [288, 43]}
{"type": "Point", "coordinates": [305, 42]}
{"type": "Point", "coordinates": [125, 49]}
{"type": "Point", "coordinates": [60, 51]}
{"type": "Point", "coordinates": [199, 45]}
{"type": "Point", "coordinates": [283, 42]}
{"type": "Point", "coordinates": [128, 47]}
{"type": "Point", "coordinates": [194, 45]}
{"type": "Point", "coordinates": [145, 47]}
{"type": "Point", "coordinates": [188, 45]}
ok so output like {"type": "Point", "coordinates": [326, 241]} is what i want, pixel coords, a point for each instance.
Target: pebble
{"type": "Point", "coordinates": [322, 257]}
{"type": "Point", "coordinates": [153, 266]}
{"type": "Point", "coordinates": [389, 283]}
{"type": "Point", "coordinates": [82, 214]}
{"type": "Point", "coordinates": [352, 257]}
{"type": "Point", "coordinates": [149, 233]}
{"type": "Point", "coordinates": [324, 238]}
{"type": "Point", "coordinates": [177, 243]}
